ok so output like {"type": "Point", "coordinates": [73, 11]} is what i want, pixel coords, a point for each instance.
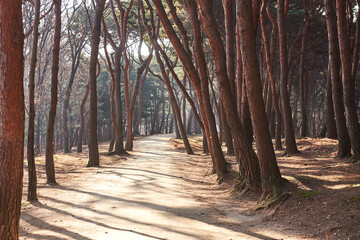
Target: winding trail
{"type": "Point", "coordinates": [140, 198]}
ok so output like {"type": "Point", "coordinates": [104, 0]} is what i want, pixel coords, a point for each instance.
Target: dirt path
{"type": "Point", "coordinates": [140, 198]}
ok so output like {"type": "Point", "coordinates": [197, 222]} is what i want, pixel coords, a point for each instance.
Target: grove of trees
{"type": "Point", "coordinates": [237, 72]}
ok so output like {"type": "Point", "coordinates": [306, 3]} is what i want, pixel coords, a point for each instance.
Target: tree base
{"type": "Point", "coordinates": [273, 202]}
{"type": "Point", "coordinates": [343, 154]}
{"type": "Point", "coordinates": [286, 154]}
{"type": "Point", "coordinates": [279, 148]}
{"type": "Point", "coordinates": [354, 159]}
{"type": "Point", "coordinates": [122, 152]}
{"type": "Point", "coordinates": [54, 183]}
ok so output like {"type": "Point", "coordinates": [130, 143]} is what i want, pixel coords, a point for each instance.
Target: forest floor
{"type": "Point", "coordinates": [160, 192]}
{"type": "Point", "coordinates": [324, 200]}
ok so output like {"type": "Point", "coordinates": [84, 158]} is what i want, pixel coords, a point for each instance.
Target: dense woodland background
{"type": "Point", "coordinates": [236, 71]}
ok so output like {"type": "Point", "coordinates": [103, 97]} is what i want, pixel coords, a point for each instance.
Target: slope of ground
{"type": "Point", "coordinates": [154, 193]}
{"type": "Point", "coordinates": [325, 192]}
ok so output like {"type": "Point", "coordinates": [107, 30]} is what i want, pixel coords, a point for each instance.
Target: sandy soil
{"type": "Point", "coordinates": [159, 192]}
{"type": "Point", "coordinates": [140, 198]}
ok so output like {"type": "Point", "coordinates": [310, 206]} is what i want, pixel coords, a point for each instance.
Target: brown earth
{"type": "Point", "coordinates": [158, 192]}
{"type": "Point", "coordinates": [325, 193]}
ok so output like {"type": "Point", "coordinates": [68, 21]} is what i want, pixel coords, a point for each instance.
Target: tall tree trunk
{"type": "Point", "coordinates": [330, 115]}
{"type": "Point", "coordinates": [37, 146]}
{"type": "Point", "coordinates": [49, 157]}
{"type": "Point", "coordinates": [270, 69]}
{"type": "Point", "coordinates": [175, 125]}
{"type": "Point", "coordinates": [81, 118]}
{"type": "Point", "coordinates": [201, 86]}
{"type": "Point", "coordinates": [76, 55]}
{"type": "Point", "coordinates": [119, 140]}
{"type": "Point", "coordinates": [139, 72]}
{"type": "Point", "coordinates": [174, 104]}
{"type": "Point", "coordinates": [245, 115]}
{"type": "Point", "coordinates": [12, 117]}
{"type": "Point", "coordinates": [127, 102]}
{"type": "Point", "coordinates": [303, 88]}
{"type": "Point", "coordinates": [344, 144]}
{"type": "Point", "coordinates": [227, 132]}
{"type": "Point", "coordinates": [249, 161]}
{"type": "Point", "coordinates": [95, 41]}
{"type": "Point", "coordinates": [184, 104]}
{"type": "Point", "coordinates": [230, 64]}
{"type": "Point", "coordinates": [202, 91]}
{"type": "Point", "coordinates": [137, 124]}
{"type": "Point", "coordinates": [32, 182]}
{"type": "Point", "coordinates": [352, 121]}
{"type": "Point", "coordinates": [284, 95]}
{"type": "Point", "coordinates": [270, 173]}
{"type": "Point", "coordinates": [239, 70]}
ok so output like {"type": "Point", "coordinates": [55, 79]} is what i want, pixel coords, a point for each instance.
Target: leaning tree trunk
{"type": "Point", "coordinates": [270, 69]}
{"type": "Point", "coordinates": [12, 118]}
{"type": "Point", "coordinates": [75, 64]}
{"type": "Point", "coordinates": [284, 95]}
{"type": "Point", "coordinates": [138, 121]}
{"type": "Point", "coordinates": [344, 144]}
{"type": "Point", "coordinates": [270, 173]}
{"type": "Point", "coordinates": [175, 106]}
{"type": "Point", "coordinates": [249, 161]}
{"type": "Point", "coordinates": [202, 92]}
{"type": "Point", "coordinates": [139, 71]}
{"type": "Point", "coordinates": [95, 41]}
{"type": "Point", "coordinates": [49, 155]}
{"type": "Point", "coordinates": [352, 121]}
{"type": "Point", "coordinates": [32, 182]}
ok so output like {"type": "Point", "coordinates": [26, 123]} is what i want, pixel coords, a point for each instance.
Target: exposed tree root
{"type": "Point", "coordinates": [121, 153]}
{"type": "Point", "coordinates": [354, 159]}
{"type": "Point", "coordinates": [286, 154]}
{"type": "Point", "coordinates": [241, 188]}
{"type": "Point", "coordinates": [342, 154]}
{"type": "Point", "coordinates": [52, 184]}
{"type": "Point", "coordinates": [277, 201]}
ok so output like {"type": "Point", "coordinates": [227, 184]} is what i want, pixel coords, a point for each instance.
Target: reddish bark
{"type": "Point", "coordinates": [202, 92]}
{"type": "Point", "coordinates": [249, 161]}
{"type": "Point", "coordinates": [284, 95]}
{"type": "Point", "coordinates": [270, 173]}
{"type": "Point", "coordinates": [12, 117]}
{"type": "Point", "coordinates": [176, 110]}
{"type": "Point", "coordinates": [206, 113]}
{"type": "Point", "coordinates": [344, 145]}
{"type": "Point", "coordinates": [302, 81]}
{"type": "Point", "coordinates": [270, 69]}
{"type": "Point", "coordinates": [330, 115]}
{"type": "Point", "coordinates": [352, 121]}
